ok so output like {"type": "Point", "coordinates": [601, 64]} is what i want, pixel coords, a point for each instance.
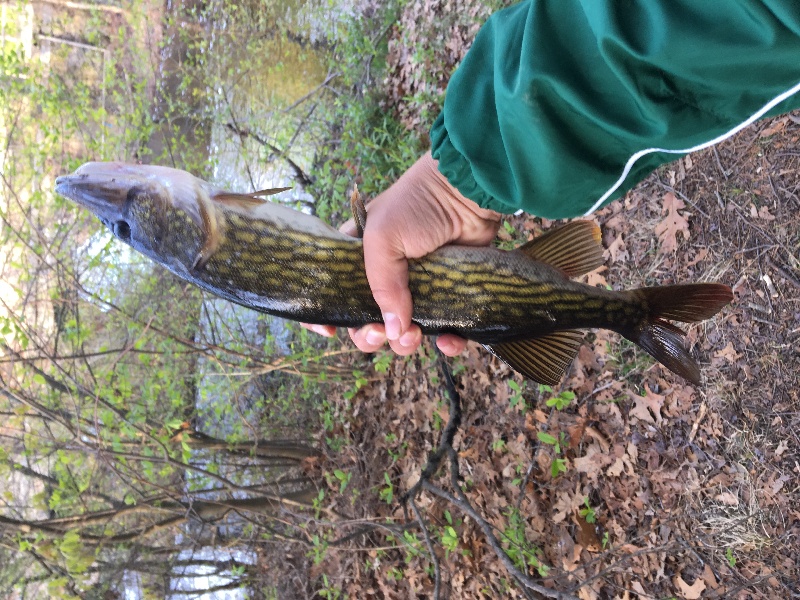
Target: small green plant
{"type": "Point", "coordinates": [523, 553]}
{"type": "Point", "coordinates": [329, 591]}
{"type": "Point", "coordinates": [387, 492]}
{"type": "Point", "coordinates": [587, 513]}
{"type": "Point", "coordinates": [319, 548]}
{"type": "Point", "coordinates": [412, 545]}
{"type": "Point", "coordinates": [449, 539]}
{"type": "Point", "coordinates": [382, 362]}
{"type": "Point", "coordinates": [516, 399]}
{"type": "Point", "coordinates": [359, 382]}
{"type": "Point", "coordinates": [562, 400]}
{"type": "Point", "coordinates": [391, 446]}
{"type": "Point", "coordinates": [730, 557]}
{"type": "Point", "coordinates": [559, 465]}
{"type": "Point", "coordinates": [511, 243]}
{"type": "Point", "coordinates": [343, 479]}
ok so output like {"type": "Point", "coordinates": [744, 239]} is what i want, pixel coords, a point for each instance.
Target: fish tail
{"type": "Point", "coordinates": [687, 303]}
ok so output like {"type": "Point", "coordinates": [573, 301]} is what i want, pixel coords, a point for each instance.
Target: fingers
{"type": "Point", "coordinates": [371, 337]}
{"type": "Point", "coordinates": [387, 272]}
{"type": "Point", "coordinates": [451, 345]}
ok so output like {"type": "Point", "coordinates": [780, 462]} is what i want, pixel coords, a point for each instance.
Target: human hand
{"type": "Point", "coordinates": [418, 214]}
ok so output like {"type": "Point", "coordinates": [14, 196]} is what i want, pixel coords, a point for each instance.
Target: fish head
{"type": "Point", "coordinates": [151, 208]}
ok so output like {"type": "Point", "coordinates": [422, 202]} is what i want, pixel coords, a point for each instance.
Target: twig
{"type": "Point", "coordinates": [436, 569]}
{"type": "Point", "coordinates": [328, 78]}
{"type": "Point", "coordinates": [243, 132]}
{"type": "Point", "coordinates": [448, 434]}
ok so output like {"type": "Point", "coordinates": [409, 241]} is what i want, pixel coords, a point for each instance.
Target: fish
{"type": "Point", "coordinates": [523, 305]}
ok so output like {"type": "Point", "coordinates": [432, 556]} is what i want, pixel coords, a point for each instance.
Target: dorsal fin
{"type": "Point", "coordinates": [574, 248]}
{"type": "Point", "coordinates": [543, 359]}
{"type": "Point", "coordinates": [245, 201]}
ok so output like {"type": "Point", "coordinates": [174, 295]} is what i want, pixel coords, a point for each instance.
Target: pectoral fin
{"type": "Point", "coordinates": [574, 248]}
{"type": "Point", "coordinates": [213, 235]}
{"type": "Point", "coordinates": [543, 359]}
{"type": "Point", "coordinates": [359, 210]}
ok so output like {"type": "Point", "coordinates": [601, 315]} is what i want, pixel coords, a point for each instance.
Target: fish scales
{"type": "Point", "coordinates": [512, 299]}
{"type": "Point", "coordinates": [522, 304]}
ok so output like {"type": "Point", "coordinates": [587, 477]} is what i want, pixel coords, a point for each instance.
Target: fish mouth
{"type": "Point", "coordinates": [103, 187]}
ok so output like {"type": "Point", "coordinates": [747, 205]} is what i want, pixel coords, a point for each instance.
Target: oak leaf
{"type": "Point", "coordinates": [690, 592]}
{"type": "Point", "coordinates": [617, 251]}
{"type": "Point", "coordinates": [673, 224]}
{"type": "Point", "coordinates": [647, 407]}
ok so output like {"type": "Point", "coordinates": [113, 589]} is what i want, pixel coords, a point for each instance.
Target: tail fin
{"type": "Point", "coordinates": [687, 303]}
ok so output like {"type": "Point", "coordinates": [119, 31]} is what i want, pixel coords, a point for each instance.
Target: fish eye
{"type": "Point", "coordinates": [122, 230]}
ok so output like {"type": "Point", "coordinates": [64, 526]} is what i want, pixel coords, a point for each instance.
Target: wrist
{"type": "Point", "coordinates": [465, 214]}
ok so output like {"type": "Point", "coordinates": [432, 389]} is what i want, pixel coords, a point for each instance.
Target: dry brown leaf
{"type": "Point", "coordinates": [776, 127]}
{"type": "Point", "coordinates": [690, 592]}
{"type": "Point", "coordinates": [673, 224]}
{"type": "Point", "coordinates": [647, 407]}
{"type": "Point", "coordinates": [727, 354]}
{"type": "Point", "coordinates": [727, 498]}
{"type": "Point", "coordinates": [699, 256]}
{"type": "Point", "coordinates": [595, 279]}
{"type": "Point", "coordinates": [783, 446]}
{"type": "Point", "coordinates": [617, 251]}
{"type": "Point", "coordinates": [592, 462]}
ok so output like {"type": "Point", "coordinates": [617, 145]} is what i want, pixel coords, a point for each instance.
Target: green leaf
{"type": "Point", "coordinates": [546, 438]}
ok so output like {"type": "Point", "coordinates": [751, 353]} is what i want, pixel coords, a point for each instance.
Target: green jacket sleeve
{"type": "Point", "coordinates": [563, 105]}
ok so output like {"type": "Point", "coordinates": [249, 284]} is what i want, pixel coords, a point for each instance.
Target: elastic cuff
{"type": "Point", "coordinates": [457, 171]}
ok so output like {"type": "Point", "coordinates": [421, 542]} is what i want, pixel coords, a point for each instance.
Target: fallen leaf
{"type": "Point", "coordinates": [647, 407]}
{"type": "Point", "coordinates": [727, 354]}
{"type": "Point", "coordinates": [673, 224]}
{"type": "Point", "coordinates": [764, 214]}
{"type": "Point", "coordinates": [727, 498]}
{"type": "Point", "coordinates": [700, 255]}
{"type": "Point", "coordinates": [690, 592]}
{"type": "Point", "coordinates": [776, 127]}
{"type": "Point", "coordinates": [592, 462]}
{"type": "Point", "coordinates": [595, 279]}
{"type": "Point", "coordinates": [709, 577]}
{"type": "Point", "coordinates": [783, 446]}
{"type": "Point", "coordinates": [617, 251]}
{"type": "Point", "coordinates": [586, 534]}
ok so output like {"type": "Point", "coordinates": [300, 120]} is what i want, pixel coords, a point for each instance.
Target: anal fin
{"type": "Point", "coordinates": [574, 248]}
{"type": "Point", "coordinates": [543, 359]}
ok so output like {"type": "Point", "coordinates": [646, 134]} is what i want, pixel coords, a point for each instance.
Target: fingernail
{"type": "Point", "coordinates": [407, 339]}
{"type": "Point", "coordinates": [392, 324]}
{"type": "Point", "coordinates": [374, 337]}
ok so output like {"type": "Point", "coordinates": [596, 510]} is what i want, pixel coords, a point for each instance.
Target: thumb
{"type": "Point", "coordinates": [387, 273]}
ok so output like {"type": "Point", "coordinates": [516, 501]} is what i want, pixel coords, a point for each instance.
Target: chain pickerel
{"type": "Point", "coordinates": [520, 304]}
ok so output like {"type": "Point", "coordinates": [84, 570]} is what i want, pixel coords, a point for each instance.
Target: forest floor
{"type": "Point", "coordinates": [694, 491]}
